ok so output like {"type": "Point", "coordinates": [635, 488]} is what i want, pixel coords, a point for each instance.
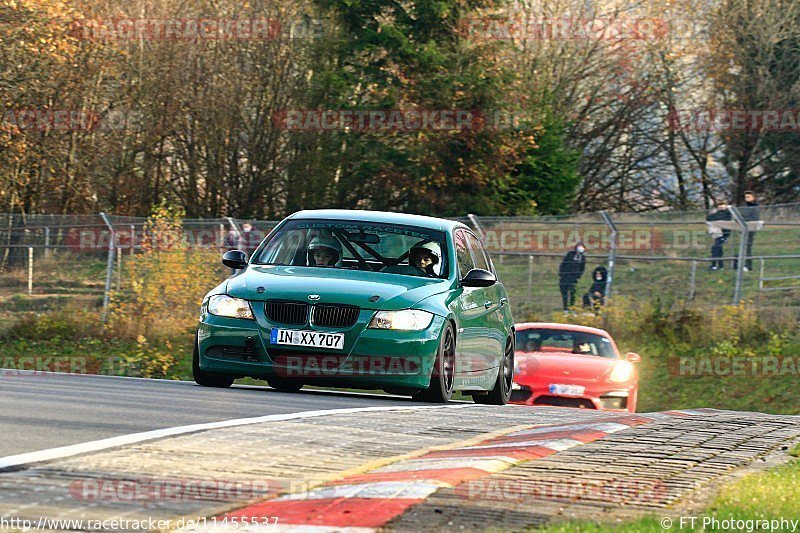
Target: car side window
{"type": "Point", "coordinates": [463, 254]}
{"type": "Point", "coordinates": [478, 253]}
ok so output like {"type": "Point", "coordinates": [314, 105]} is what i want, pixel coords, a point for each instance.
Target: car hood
{"type": "Point", "coordinates": [551, 367]}
{"type": "Point", "coordinates": [349, 287]}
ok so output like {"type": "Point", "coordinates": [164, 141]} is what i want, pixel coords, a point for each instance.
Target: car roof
{"type": "Point", "coordinates": [566, 327]}
{"type": "Point", "coordinates": [421, 221]}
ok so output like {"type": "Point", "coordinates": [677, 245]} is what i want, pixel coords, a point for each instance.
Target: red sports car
{"type": "Point", "coordinates": [573, 366]}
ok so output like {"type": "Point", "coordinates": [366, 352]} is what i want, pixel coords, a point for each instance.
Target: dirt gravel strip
{"type": "Point", "coordinates": [370, 500]}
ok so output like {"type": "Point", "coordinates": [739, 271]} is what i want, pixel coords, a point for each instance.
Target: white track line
{"type": "Point", "coordinates": [133, 438]}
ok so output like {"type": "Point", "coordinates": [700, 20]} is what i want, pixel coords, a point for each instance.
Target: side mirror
{"type": "Point", "coordinates": [477, 277]}
{"type": "Point", "coordinates": [633, 357]}
{"type": "Point", "coordinates": [235, 259]}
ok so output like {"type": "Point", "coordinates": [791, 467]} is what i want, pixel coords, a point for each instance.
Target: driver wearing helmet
{"type": "Point", "coordinates": [324, 251]}
{"type": "Point", "coordinates": [425, 256]}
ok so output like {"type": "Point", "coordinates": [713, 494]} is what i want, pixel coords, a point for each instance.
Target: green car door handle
{"type": "Point", "coordinates": [503, 301]}
{"type": "Point", "coordinates": [487, 304]}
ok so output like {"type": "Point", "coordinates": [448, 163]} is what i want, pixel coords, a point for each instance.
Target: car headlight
{"type": "Point", "coordinates": [623, 371]}
{"type": "Point", "coordinates": [408, 320]}
{"type": "Point", "coordinates": [228, 306]}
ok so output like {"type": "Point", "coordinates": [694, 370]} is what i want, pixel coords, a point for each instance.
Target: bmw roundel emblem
{"type": "Point", "coordinates": [313, 296]}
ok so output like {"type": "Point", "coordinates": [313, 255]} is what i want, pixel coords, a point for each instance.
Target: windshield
{"type": "Point", "coordinates": [371, 246]}
{"type": "Point", "coordinates": [564, 341]}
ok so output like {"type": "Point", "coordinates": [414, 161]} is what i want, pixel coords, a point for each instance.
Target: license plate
{"type": "Point", "coordinates": [567, 390]}
{"type": "Point", "coordinates": [312, 339]}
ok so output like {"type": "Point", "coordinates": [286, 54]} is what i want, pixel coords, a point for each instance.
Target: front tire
{"type": "Point", "coordinates": [501, 392]}
{"type": "Point", "coordinates": [206, 379]}
{"type": "Point", "coordinates": [443, 376]}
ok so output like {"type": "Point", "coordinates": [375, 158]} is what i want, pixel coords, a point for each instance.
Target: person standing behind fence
{"type": "Point", "coordinates": [569, 272]}
{"type": "Point", "coordinates": [720, 235]}
{"type": "Point", "coordinates": [749, 214]}
{"type": "Point", "coordinates": [249, 238]}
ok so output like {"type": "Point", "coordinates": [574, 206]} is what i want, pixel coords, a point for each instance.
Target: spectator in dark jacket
{"type": "Point", "coordinates": [249, 238]}
{"type": "Point", "coordinates": [596, 297]}
{"type": "Point", "coordinates": [569, 272]}
{"type": "Point", "coordinates": [750, 213]}
{"type": "Point", "coordinates": [720, 235]}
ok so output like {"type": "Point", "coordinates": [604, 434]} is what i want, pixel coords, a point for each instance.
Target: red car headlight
{"type": "Point", "coordinates": [623, 371]}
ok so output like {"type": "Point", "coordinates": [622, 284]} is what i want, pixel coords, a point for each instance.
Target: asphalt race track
{"type": "Point", "coordinates": [40, 411]}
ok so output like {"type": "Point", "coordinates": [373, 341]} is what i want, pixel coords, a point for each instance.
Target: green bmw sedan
{"type": "Point", "coordinates": [361, 299]}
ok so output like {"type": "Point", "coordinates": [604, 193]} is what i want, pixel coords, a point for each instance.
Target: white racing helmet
{"type": "Point", "coordinates": [431, 248]}
{"type": "Point", "coordinates": [327, 242]}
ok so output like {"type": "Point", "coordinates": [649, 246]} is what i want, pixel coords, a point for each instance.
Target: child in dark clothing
{"type": "Point", "coordinates": [720, 235]}
{"type": "Point", "coordinates": [596, 296]}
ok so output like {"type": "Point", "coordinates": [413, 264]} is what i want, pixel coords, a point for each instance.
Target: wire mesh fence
{"type": "Point", "coordinates": [84, 258]}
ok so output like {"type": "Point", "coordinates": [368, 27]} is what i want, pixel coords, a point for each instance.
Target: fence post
{"type": "Point", "coordinates": [612, 253]}
{"type": "Point", "coordinates": [30, 270]}
{"type": "Point", "coordinates": [119, 268]}
{"type": "Point", "coordinates": [478, 228]}
{"type": "Point", "coordinates": [133, 238]}
{"type": "Point", "coordinates": [692, 280]}
{"type": "Point", "coordinates": [500, 240]}
{"type": "Point", "coordinates": [530, 273]}
{"type": "Point", "coordinates": [109, 265]}
{"type": "Point", "coordinates": [46, 243]}
{"type": "Point", "coordinates": [737, 289]}
{"type": "Point", "coordinates": [235, 226]}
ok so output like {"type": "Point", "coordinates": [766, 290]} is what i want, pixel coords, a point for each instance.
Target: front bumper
{"type": "Point", "coordinates": [371, 358]}
{"type": "Point", "coordinates": [609, 398]}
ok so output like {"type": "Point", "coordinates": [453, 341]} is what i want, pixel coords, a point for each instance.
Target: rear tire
{"type": "Point", "coordinates": [440, 389]}
{"type": "Point", "coordinates": [207, 379]}
{"type": "Point", "coordinates": [284, 385]}
{"type": "Point", "coordinates": [501, 392]}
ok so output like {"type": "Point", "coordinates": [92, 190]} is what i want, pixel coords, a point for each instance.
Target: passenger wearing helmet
{"type": "Point", "coordinates": [424, 259]}
{"type": "Point", "coordinates": [425, 256]}
{"type": "Point", "coordinates": [324, 251]}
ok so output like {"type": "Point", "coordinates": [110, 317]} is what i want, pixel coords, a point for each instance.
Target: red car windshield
{"type": "Point", "coordinates": [564, 341]}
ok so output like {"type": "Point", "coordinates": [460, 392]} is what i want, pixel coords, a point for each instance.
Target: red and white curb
{"type": "Point", "coordinates": [365, 502]}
